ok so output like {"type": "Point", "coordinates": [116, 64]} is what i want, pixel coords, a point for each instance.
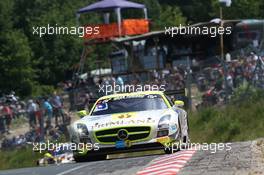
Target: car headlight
{"type": "Point", "coordinates": [82, 130]}
{"type": "Point", "coordinates": [164, 122]}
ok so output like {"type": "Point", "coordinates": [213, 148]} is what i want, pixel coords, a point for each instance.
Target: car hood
{"type": "Point", "coordinates": [141, 118]}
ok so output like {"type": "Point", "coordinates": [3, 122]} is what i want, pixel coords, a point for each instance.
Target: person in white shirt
{"type": "Point", "coordinates": [32, 109]}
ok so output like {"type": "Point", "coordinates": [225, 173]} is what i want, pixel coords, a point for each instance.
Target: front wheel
{"type": "Point", "coordinates": [79, 158]}
{"type": "Point", "coordinates": [168, 151]}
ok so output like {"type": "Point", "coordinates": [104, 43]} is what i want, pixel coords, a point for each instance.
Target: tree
{"type": "Point", "coordinates": [53, 55]}
{"type": "Point", "coordinates": [243, 9]}
{"type": "Point", "coordinates": [15, 64]}
{"type": "Point", "coordinates": [204, 10]}
{"type": "Point", "coordinates": [15, 56]}
{"type": "Point", "coordinates": [170, 16]}
{"type": "Point", "coordinates": [193, 10]}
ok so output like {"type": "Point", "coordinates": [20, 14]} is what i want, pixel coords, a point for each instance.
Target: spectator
{"type": "Point", "coordinates": [230, 85]}
{"type": "Point", "coordinates": [57, 108]}
{"type": "Point", "coordinates": [8, 117]}
{"type": "Point", "coordinates": [39, 116]}
{"type": "Point", "coordinates": [32, 109]}
{"type": "Point", "coordinates": [48, 110]}
{"type": "Point", "coordinates": [228, 57]}
{"type": "Point", "coordinates": [86, 102]}
{"type": "Point", "coordinates": [2, 119]}
{"type": "Point", "coordinates": [119, 81]}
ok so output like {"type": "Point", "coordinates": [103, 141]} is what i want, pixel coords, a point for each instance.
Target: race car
{"type": "Point", "coordinates": [130, 122]}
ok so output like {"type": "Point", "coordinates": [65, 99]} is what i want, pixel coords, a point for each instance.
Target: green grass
{"type": "Point", "coordinates": [239, 121]}
{"type": "Point", "coordinates": [18, 158]}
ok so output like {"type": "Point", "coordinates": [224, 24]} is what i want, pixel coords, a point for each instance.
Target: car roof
{"type": "Point", "coordinates": [132, 94]}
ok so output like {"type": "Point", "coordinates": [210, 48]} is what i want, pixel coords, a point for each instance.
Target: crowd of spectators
{"type": "Point", "coordinates": [10, 108]}
{"type": "Point", "coordinates": [238, 71]}
{"type": "Point", "coordinates": [45, 117]}
{"type": "Point", "coordinates": [248, 69]}
{"type": "Point", "coordinates": [86, 91]}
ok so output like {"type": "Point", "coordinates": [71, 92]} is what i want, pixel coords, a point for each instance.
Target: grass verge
{"type": "Point", "coordinates": [239, 121]}
{"type": "Point", "coordinates": [17, 158]}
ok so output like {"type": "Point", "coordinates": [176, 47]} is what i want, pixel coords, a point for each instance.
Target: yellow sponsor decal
{"type": "Point", "coordinates": [128, 143]}
{"type": "Point", "coordinates": [124, 116]}
{"type": "Point", "coordinates": [163, 139]}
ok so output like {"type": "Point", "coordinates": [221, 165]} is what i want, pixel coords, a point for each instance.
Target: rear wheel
{"type": "Point", "coordinates": [185, 140]}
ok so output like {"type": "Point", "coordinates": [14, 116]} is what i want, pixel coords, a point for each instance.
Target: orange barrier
{"type": "Point", "coordinates": [135, 26]}
{"type": "Point", "coordinates": [128, 27]}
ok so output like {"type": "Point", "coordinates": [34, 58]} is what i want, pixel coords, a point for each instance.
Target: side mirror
{"type": "Point", "coordinates": [179, 103]}
{"type": "Point", "coordinates": [82, 113]}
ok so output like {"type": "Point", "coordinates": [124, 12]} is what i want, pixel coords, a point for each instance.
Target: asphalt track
{"type": "Point", "coordinates": [114, 166]}
{"type": "Point", "coordinates": [242, 159]}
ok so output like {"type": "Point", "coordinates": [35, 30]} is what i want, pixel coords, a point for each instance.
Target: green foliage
{"type": "Point", "coordinates": [42, 90]}
{"type": "Point", "coordinates": [170, 16]}
{"type": "Point", "coordinates": [236, 122]}
{"type": "Point", "coordinates": [163, 15]}
{"type": "Point", "coordinates": [26, 60]}
{"type": "Point", "coordinates": [15, 56]}
{"type": "Point", "coordinates": [245, 9]}
{"type": "Point", "coordinates": [205, 115]}
{"type": "Point", "coordinates": [246, 93]}
{"type": "Point", "coordinates": [18, 158]}
{"type": "Point", "coordinates": [205, 10]}
{"type": "Point", "coordinates": [53, 54]}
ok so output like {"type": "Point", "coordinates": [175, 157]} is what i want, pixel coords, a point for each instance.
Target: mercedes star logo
{"type": "Point", "coordinates": [122, 134]}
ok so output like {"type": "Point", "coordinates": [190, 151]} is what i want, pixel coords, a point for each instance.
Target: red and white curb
{"type": "Point", "coordinates": [168, 164]}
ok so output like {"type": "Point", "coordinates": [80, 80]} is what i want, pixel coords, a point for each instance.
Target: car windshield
{"type": "Point", "coordinates": [129, 104]}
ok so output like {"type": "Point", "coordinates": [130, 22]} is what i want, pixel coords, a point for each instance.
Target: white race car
{"type": "Point", "coordinates": [129, 122]}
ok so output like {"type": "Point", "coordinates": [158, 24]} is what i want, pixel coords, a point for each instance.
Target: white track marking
{"type": "Point", "coordinates": [167, 165]}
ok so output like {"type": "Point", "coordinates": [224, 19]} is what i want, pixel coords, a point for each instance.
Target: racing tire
{"type": "Point", "coordinates": [184, 138]}
{"type": "Point", "coordinates": [79, 158]}
{"type": "Point", "coordinates": [172, 149]}
{"type": "Point", "coordinates": [97, 157]}
{"type": "Point", "coordinates": [168, 151]}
